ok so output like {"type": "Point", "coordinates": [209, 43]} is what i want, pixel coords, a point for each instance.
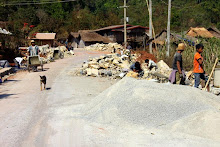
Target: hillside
{"type": "Point", "coordinates": [92, 14]}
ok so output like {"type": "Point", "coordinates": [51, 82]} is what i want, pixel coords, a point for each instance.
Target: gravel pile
{"type": "Point", "coordinates": [153, 105]}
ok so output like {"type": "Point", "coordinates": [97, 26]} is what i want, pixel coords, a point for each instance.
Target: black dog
{"type": "Point", "coordinates": [43, 80]}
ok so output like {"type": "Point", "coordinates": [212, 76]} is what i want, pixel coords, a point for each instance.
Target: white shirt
{"type": "Point", "coordinates": [19, 60]}
{"type": "Point", "coordinates": [152, 63]}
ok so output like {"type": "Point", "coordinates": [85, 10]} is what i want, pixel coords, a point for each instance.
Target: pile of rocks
{"type": "Point", "coordinates": [104, 47]}
{"type": "Point", "coordinates": [111, 65]}
{"type": "Point", "coordinates": [47, 53]}
{"type": "Point", "coordinates": [116, 66]}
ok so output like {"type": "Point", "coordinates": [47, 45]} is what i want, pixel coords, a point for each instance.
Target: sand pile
{"type": "Point", "coordinates": [152, 105]}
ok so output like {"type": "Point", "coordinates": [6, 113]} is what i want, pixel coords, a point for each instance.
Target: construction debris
{"type": "Point", "coordinates": [47, 53]}
{"type": "Point", "coordinates": [104, 47]}
{"type": "Point", "coordinates": [110, 65]}
{"type": "Point", "coordinates": [117, 66]}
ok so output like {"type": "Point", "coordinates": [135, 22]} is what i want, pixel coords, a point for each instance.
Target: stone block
{"type": "Point", "coordinates": [95, 72]}
{"type": "Point", "coordinates": [94, 66]}
{"type": "Point", "coordinates": [86, 65]}
{"type": "Point", "coordinates": [88, 72]}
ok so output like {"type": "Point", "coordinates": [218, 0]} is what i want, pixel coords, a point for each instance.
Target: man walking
{"type": "Point", "coordinates": [178, 76]}
{"type": "Point", "coordinates": [198, 70]}
{"type": "Point", "coordinates": [33, 50]}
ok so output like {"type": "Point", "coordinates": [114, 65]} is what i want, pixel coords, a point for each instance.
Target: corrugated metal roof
{"type": "Point", "coordinates": [130, 28]}
{"type": "Point", "coordinates": [111, 27]}
{"type": "Point", "coordinates": [45, 36]}
{"type": "Point", "coordinates": [134, 27]}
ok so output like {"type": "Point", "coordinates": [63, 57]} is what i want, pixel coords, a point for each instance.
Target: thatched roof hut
{"type": "Point", "coordinates": [84, 38]}
{"type": "Point", "coordinates": [161, 38]}
{"type": "Point", "coordinates": [199, 32]}
{"type": "Point", "coordinates": [214, 31]}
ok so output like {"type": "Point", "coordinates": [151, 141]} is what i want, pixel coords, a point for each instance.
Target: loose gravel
{"type": "Point", "coordinates": [154, 105]}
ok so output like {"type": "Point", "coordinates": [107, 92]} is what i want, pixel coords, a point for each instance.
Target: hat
{"type": "Point", "coordinates": [32, 41]}
{"type": "Point", "coordinates": [180, 47]}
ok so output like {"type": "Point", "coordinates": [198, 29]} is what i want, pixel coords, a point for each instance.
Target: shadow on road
{"type": "Point", "coordinates": [3, 96]}
{"type": "Point", "coordinates": [12, 80]}
{"type": "Point", "coordinates": [6, 81]}
{"type": "Point", "coordinates": [45, 69]}
{"type": "Point", "coordinates": [49, 88]}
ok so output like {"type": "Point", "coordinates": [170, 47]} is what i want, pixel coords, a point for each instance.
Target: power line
{"type": "Point", "coordinates": [37, 3]}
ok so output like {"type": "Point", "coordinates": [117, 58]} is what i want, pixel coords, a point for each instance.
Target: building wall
{"type": "Point", "coordinates": [44, 42]}
{"type": "Point", "coordinates": [135, 36]}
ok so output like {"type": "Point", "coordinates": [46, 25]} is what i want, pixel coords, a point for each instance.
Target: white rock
{"type": "Point", "coordinates": [71, 52]}
{"type": "Point", "coordinates": [95, 72]}
{"type": "Point", "coordinates": [86, 65]}
{"type": "Point", "coordinates": [115, 61]}
{"type": "Point", "coordinates": [94, 66]}
{"type": "Point", "coordinates": [88, 71]}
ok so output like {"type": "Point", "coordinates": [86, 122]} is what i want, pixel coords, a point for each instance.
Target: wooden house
{"type": "Point", "coordinates": [135, 34]}
{"type": "Point", "coordinates": [44, 38]}
{"type": "Point", "coordinates": [161, 38]}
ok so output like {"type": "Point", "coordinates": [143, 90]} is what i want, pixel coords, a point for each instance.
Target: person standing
{"type": "Point", "coordinates": [198, 69]}
{"type": "Point", "coordinates": [178, 76]}
{"type": "Point", "coordinates": [33, 50]}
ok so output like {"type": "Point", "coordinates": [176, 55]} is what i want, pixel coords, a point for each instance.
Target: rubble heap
{"type": "Point", "coordinates": [47, 53]}
{"type": "Point", "coordinates": [110, 65]}
{"type": "Point", "coordinates": [104, 47]}
{"type": "Point", "coordinates": [116, 66]}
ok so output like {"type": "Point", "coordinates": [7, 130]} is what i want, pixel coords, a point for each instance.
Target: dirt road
{"type": "Point", "coordinates": [30, 117]}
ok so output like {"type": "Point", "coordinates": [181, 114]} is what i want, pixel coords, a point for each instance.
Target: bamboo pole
{"type": "Point", "coordinates": [207, 83]}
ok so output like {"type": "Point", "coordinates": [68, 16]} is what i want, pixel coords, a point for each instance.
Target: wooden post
{"type": "Point", "coordinates": [125, 25]}
{"type": "Point", "coordinates": [213, 68]}
{"type": "Point", "coordinates": [168, 29]}
{"type": "Point", "coordinates": [150, 25]}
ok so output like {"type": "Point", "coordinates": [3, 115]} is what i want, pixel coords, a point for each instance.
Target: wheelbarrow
{"type": "Point", "coordinates": [33, 62]}
{"type": "Point", "coordinates": [58, 54]}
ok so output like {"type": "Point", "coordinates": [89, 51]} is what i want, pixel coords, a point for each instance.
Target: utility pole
{"type": "Point", "coordinates": [125, 23]}
{"type": "Point", "coordinates": [150, 25]}
{"type": "Point", "coordinates": [168, 29]}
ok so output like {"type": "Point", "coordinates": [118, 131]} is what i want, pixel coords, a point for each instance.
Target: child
{"type": "Point", "coordinates": [198, 70]}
